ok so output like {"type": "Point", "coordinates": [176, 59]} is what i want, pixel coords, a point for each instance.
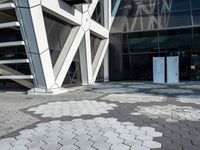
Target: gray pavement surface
{"type": "Point", "coordinates": [107, 116]}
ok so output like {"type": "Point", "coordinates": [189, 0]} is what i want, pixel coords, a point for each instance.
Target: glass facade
{"type": "Point", "coordinates": [157, 28]}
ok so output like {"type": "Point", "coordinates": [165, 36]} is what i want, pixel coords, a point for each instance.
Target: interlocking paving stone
{"type": "Point", "coordinates": [189, 99]}
{"type": "Point", "coordinates": [83, 140]}
{"type": "Point", "coordinates": [133, 98]}
{"type": "Point", "coordinates": [171, 113]}
{"type": "Point", "coordinates": [17, 125]}
{"type": "Point", "coordinates": [72, 108]}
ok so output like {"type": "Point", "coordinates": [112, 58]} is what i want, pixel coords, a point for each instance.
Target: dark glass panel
{"type": "Point", "coordinates": [10, 35]}
{"type": "Point", "coordinates": [195, 4]}
{"type": "Point", "coordinates": [180, 5]}
{"type": "Point", "coordinates": [7, 15]}
{"type": "Point", "coordinates": [115, 56]}
{"type": "Point", "coordinates": [57, 34]}
{"type": "Point", "coordinates": [173, 39]}
{"type": "Point", "coordinates": [10, 84]}
{"type": "Point", "coordinates": [195, 65]}
{"type": "Point", "coordinates": [142, 42]}
{"type": "Point", "coordinates": [98, 14]}
{"type": "Point", "coordinates": [196, 17]}
{"type": "Point", "coordinates": [21, 67]}
{"type": "Point", "coordinates": [8, 53]}
{"type": "Point", "coordinates": [113, 2]}
{"type": "Point", "coordinates": [73, 77]}
{"type": "Point", "coordinates": [100, 75]}
{"type": "Point", "coordinates": [95, 41]}
{"type": "Point", "coordinates": [184, 59]}
{"type": "Point", "coordinates": [178, 19]}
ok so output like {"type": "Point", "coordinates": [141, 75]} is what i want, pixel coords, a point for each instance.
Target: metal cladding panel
{"type": "Point", "coordinates": [74, 2]}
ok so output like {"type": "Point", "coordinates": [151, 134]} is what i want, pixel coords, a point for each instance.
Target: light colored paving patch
{"type": "Point", "coordinates": [98, 133]}
{"type": "Point", "coordinates": [72, 108]}
{"type": "Point", "coordinates": [189, 99]}
{"type": "Point", "coordinates": [171, 113]}
{"type": "Point", "coordinates": [134, 98]}
{"type": "Point", "coordinates": [148, 86]}
{"type": "Point", "coordinates": [171, 91]}
{"type": "Point", "coordinates": [115, 90]}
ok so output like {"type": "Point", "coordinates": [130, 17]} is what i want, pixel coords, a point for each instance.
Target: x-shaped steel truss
{"type": "Point", "coordinates": [48, 77]}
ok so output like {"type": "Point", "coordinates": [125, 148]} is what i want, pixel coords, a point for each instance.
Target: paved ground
{"type": "Point", "coordinates": [112, 116]}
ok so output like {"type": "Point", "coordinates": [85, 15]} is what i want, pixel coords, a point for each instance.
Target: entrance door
{"type": "Point", "coordinates": [158, 70]}
{"type": "Point", "coordinates": [173, 69]}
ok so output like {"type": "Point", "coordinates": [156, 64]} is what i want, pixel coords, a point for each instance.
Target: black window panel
{"type": "Point", "coordinates": [196, 17]}
{"type": "Point", "coordinates": [178, 19]}
{"type": "Point", "coordinates": [195, 4]}
{"type": "Point", "coordinates": [95, 41]}
{"type": "Point", "coordinates": [141, 42]}
{"type": "Point", "coordinates": [10, 35]}
{"type": "Point", "coordinates": [22, 68]}
{"type": "Point", "coordinates": [8, 53]}
{"type": "Point", "coordinates": [180, 5]}
{"type": "Point", "coordinates": [173, 39]}
{"type": "Point", "coordinates": [8, 15]}
{"type": "Point", "coordinates": [98, 14]}
{"type": "Point", "coordinates": [10, 84]}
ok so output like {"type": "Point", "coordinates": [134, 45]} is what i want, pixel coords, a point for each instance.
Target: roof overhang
{"type": "Point", "coordinates": [75, 2]}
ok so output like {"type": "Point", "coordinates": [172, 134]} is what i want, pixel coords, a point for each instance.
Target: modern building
{"type": "Point", "coordinates": [155, 28]}
{"type": "Point", "coordinates": [50, 44]}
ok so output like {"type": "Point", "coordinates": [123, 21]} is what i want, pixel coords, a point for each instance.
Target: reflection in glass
{"type": "Point", "coordinates": [73, 77]}
{"type": "Point", "coordinates": [57, 34]}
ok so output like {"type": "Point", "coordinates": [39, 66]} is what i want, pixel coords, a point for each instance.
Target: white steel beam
{"type": "Point", "coordinates": [98, 30]}
{"type": "Point", "coordinates": [10, 44]}
{"type": "Point", "coordinates": [67, 54]}
{"type": "Point", "coordinates": [99, 57]}
{"type": "Point", "coordinates": [14, 61]}
{"type": "Point", "coordinates": [9, 25]}
{"type": "Point", "coordinates": [85, 59]}
{"type": "Point", "coordinates": [5, 6]}
{"type": "Point", "coordinates": [16, 77]}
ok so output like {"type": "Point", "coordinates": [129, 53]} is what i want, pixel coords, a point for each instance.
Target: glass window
{"type": "Point", "coordinates": [180, 5]}
{"type": "Point", "coordinates": [178, 19]}
{"type": "Point", "coordinates": [173, 39]}
{"type": "Point", "coordinates": [57, 34]}
{"type": "Point", "coordinates": [196, 17]}
{"type": "Point", "coordinates": [73, 77]}
{"type": "Point", "coordinates": [7, 15]}
{"type": "Point", "coordinates": [142, 42]}
{"type": "Point", "coordinates": [195, 4]}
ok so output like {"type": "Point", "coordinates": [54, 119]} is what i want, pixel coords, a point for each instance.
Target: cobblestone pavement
{"type": "Point", "coordinates": [111, 116]}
